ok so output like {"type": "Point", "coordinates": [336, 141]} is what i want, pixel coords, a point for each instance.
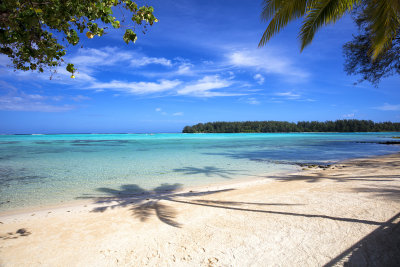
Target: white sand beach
{"type": "Point", "coordinates": [347, 213]}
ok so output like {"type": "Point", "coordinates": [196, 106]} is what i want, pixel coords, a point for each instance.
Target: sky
{"type": "Point", "coordinates": [199, 63]}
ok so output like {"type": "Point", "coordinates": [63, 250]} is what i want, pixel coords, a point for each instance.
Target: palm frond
{"type": "Point", "coordinates": [322, 13]}
{"type": "Point", "coordinates": [384, 17]}
{"type": "Point", "coordinates": [270, 7]}
{"type": "Point", "coordinates": [283, 11]}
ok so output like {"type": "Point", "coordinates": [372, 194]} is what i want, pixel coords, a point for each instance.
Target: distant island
{"type": "Point", "coordinates": [287, 127]}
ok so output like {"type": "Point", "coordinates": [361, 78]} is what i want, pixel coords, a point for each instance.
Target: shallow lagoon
{"type": "Point", "coordinates": [50, 169]}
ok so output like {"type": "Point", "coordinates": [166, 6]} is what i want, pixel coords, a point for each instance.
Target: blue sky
{"type": "Point", "coordinates": [199, 63]}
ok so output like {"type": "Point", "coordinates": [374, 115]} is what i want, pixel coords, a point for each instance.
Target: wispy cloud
{"type": "Point", "coordinates": [159, 110]}
{"type": "Point", "coordinates": [348, 116]}
{"type": "Point", "coordinates": [107, 56]}
{"type": "Point", "coordinates": [182, 78]}
{"type": "Point", "coordinates": [137, 88]}
{"type": "Point", "coordinates": [252, 101]}
{"type": "Point", "coordinates": [270, 63]}
{"type": "Point", "coordinates": [388, 107]}
{"type": "Point", "coordinates": [206, 87]}
{"type": "Point", "coordinates": [143, 61]}
{"type": "Point", "coordinates": [4, 60]}
{"type": "Point", "coordinates": [184, 69]}
{"type": "Point", "coordinates": [20, 101]}
{"type": "Point", "coordinates": [259, 78]}
{"type": "Point", "coordinates": [79, 98]}
{"type": "Point", "coordinates": [289, 95]}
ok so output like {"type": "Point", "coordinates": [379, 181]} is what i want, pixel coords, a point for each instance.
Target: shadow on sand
{"type": "Point", "coordinates": [208, 171]}
{"type": "Point", "coordinates": [317, 177]}
{"type": "Point", "coordinates": [380, 248]}
{"type": "Point", "coordinates": [146, 203]}
{"type": "Point", "coordinates": [19, 233]}
{"type": "Point", "coordinates": [374, 189]}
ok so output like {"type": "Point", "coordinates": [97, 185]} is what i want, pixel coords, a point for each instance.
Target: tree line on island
{"type": "Point", "coordinates": [301, 126]}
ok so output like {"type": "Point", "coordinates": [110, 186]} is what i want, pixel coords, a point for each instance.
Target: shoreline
{"type": "Point", "coordinates": [81, 204]}
{"type": "Point", "coordinates": [348, 213]}
{"type": "Point", "coordinates": [88, 204]}
{"type": "Point", "coordinates": [246, 181]}
{"type": "Point", "coordinates": [11, 134]}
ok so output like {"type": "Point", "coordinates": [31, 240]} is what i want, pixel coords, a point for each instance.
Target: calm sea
{"type": "Point", "coordinates": [39, 170]}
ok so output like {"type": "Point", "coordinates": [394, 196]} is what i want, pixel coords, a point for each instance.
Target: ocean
{"type": "Point", "coordinates": [40, 170]}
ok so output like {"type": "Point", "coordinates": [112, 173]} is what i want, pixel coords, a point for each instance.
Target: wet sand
{"type": "Point", "coordinates": [348, 213]}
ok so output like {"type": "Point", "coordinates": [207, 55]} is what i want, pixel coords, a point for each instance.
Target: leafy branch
{"type": "Point", "coordinates": [35, 33]}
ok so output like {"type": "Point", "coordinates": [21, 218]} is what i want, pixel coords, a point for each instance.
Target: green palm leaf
{"type": "Point", "coordinates": [283, 11]}
{"type": "Point", "coordinates": [322, 13]}
{"type": "Point", "coordinates": [383, 17]}
{"type": "Point", "coordinates": [385, 22]}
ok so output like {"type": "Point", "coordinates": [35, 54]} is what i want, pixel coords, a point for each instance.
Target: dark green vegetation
{"type": "Point", "coordinates": [381, 16]}
{"type": "Point", "coordinates": [35, 33]}
{"type": "Point", "coordinates": [301, 126]}
{"type": "Point", "coordinates": [357, 57]}
{"type": "Point", "coordinates": [374, 53]}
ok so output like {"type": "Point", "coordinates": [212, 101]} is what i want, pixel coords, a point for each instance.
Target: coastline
{"type": "Point", "coordinates": [309, 217]}
{"type": "Point", "coordinates": [91, 203]}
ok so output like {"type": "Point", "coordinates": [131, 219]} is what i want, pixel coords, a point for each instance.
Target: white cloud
{"type": "Point", "coordinates": [388, 107]}
{"type": "Point", "coordinates": [79, 98]}
{"type": "Point", "coordinates": [35, 97]}
{"type": "Point", "coordinates": [107, 56]}
{"type": "Point", "coordinates": [349, 116]}
{"type": "Point", "coordinates": [267, 62]}
{"type": "Point", "coordinates": [165, 113]}
{"type": "Point", "coordinates": [87, 60]}
{"type": "Point", "coordinates": [20, 101]}
{"type": "Point", "coordinates": [82, 75]}
{"type": "Point", "coordinates": [289, 95]}
{"type": "Point", "coordinates": [252, 101]}
{"type": "Point", "coordinates": [137, 87]}
{"type": "Point", "coordinates": [204, 87]}
{"type": "Point", "coordinates": [259, 78]}
{"type": "Point", "coordinates": [184, 69]}
{"type": "Point", "coordinates": [7, 86]}
{"type": "Point", "coordinates": [199, 81]}
{"type": "Point", "coordinates": [151, 60]}
{"type": "Point", "coordinates": [159, 110]}
{"type": "Point", "coordinates": [4, 60]}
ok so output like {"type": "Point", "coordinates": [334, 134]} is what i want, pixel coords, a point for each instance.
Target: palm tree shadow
{"type": "Point", "coordinates": [208, 171]}
{"type": "Point", "coordinates": [381, 247]}
{"type": "Point", "coordinates": [144, 203]}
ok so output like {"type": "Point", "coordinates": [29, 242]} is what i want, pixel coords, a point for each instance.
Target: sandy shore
{"type": "Point", "coordinates": [348, 213]}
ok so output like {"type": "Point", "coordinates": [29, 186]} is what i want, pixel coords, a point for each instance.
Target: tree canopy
{"type": "Point", "coordinates": [356, 52]}
{"type": "Point", "coordinates": [284, 126]}
{"type": "Point", "coordinates": [35, 33]}
{"type": "Point", "coordinates": [382, 17]}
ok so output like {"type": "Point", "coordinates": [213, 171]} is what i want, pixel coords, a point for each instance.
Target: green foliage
{"type": "Point", "coordinates": [357, 60]}
{"type": "Point", "coordinates": [35, 33]}
{"type": "Point", "coordinates": [383, 17]}
{"type": "Point", "coordinates": [284, 126]}
{"type": "Point", "coordinates": [129, 36]}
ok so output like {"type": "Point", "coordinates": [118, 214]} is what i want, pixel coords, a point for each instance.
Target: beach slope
{"type": "Point", "coordinates": [346, 213]}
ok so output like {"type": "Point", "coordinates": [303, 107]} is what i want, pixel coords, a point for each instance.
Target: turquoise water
{"type": "Point", "coordinates": [50, 169]}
